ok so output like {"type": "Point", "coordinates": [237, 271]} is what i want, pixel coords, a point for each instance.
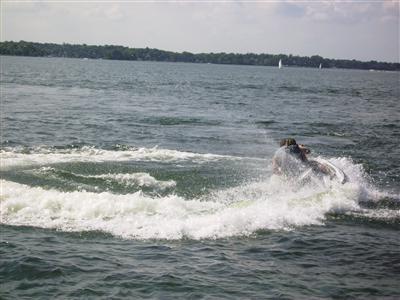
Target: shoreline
{"type": "Point", "coordinates": [112, 52]}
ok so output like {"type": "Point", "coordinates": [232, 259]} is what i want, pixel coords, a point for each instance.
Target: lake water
{"type": "Point", "coordinates": [154, 180]}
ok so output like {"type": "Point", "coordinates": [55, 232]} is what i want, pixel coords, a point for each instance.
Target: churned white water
{"type": "Point", "coordinates": [266, 204]}
{"type": "Point", "coordinates": [139, 179]}
{"type": "Point", "coordinates": [42, 155]}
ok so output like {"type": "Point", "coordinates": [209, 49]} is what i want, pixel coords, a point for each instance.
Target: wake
{"type": "Point", "coordinates": [267, 203]}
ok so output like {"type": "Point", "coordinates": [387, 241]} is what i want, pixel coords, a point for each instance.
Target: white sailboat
{"type": "Point", "coordinates": [280, 64]}
{"type": "Point", "coordinates": [320, 66]}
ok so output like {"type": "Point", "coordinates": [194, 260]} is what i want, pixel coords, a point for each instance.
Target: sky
{"type": "Point", "coordinates": [360, 29]}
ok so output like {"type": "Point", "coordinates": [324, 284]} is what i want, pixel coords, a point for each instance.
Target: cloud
{"type": "Point", "coordinates": [291, 9]}
{"type": "Point", "coordinates": [338, 11]}
{"type": "Point", "coordinates": [361, 30]}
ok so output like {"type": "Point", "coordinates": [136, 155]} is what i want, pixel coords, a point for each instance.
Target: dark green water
{"type": "Point", "coordinates": [153, 180]}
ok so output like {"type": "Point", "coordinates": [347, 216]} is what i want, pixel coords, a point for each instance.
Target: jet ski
{"type": "Point", "coordinates": [322, 167]}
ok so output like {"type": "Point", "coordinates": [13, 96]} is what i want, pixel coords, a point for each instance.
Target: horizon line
{"type": "Point", "coordinates": [197, 53]}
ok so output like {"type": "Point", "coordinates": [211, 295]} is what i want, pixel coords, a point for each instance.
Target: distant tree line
{"type": "Point", "coordinates": [23, 48]}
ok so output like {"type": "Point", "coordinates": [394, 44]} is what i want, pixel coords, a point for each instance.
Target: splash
{"type": "Point", "coordinates": [265, 204]}
{"type": "Point", "coordinates": [240, 211]}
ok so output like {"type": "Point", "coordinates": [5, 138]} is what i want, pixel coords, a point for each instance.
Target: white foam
{"type": "Point", "coordinates": [137, 179]}
{"type": "Point", "coordinates": [238, 211]}
{"type": "Point", "coordinates": [357, 176]}
{"type": "Point", "coordinates": [140, 179]}
{"type": "Point", "coordinates": [269, 204]}
{"type": "Point", "coordinates": [383, 214]}
{"type": "Point", "coordinates": [43, 156]}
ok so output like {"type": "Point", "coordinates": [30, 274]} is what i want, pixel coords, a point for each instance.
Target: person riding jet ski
{"type": "Point", "coordinates": [290, 160]}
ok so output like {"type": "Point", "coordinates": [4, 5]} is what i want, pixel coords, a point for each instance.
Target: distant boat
{"type": "Point", "coordinates": [320, 66]}
{"type": "Point", "coordinates": [280, 64]}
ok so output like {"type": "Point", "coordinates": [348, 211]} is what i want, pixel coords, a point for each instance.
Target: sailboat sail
{"type": "Point", "coordinates": [280, 64]}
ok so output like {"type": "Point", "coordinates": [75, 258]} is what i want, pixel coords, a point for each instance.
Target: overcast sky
{"type": "Point", "coordinates": [365, 30]}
